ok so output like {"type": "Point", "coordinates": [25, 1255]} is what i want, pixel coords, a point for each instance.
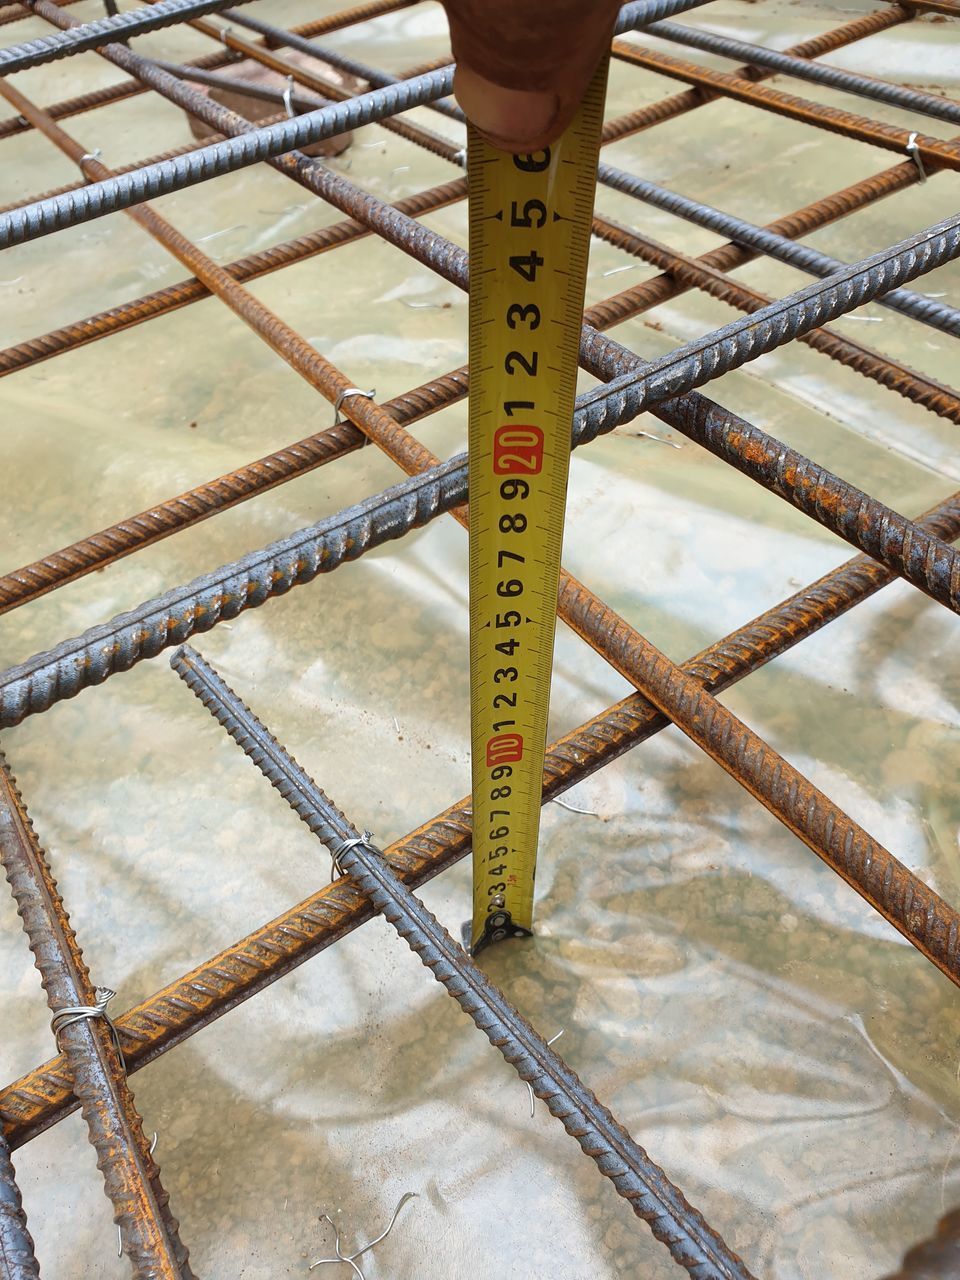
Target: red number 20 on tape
{"type": "Point", "coordinates": [517, 451]}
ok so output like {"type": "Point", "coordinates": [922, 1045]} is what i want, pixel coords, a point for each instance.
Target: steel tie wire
{"type": "Point", "coordinates": [692, 1243]}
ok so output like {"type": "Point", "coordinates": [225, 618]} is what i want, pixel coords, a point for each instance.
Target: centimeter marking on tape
{"type": "Point", "coordinates": [530, 221]}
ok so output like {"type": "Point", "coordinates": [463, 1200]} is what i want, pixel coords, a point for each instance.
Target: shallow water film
{"type": "Point", "coordinates": [777, 1047]}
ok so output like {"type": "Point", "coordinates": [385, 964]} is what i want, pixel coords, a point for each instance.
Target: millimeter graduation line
{"type": "Point", "coordinates": [692, 1243]}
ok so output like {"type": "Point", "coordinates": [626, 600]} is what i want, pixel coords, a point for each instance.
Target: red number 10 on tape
{"type": "Point", "coordinates": [517, 451]}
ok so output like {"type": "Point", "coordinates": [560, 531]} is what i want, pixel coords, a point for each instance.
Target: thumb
{"type": "Point", "coordinates": [524, 65]}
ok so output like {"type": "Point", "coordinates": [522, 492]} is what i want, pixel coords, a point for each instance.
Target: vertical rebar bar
{"type": "Point", "coordinates": [692, 1243]}
{"type": "Point", "coordinates": [149, 1232]}
{"type": "Point", "coordinates": [17, 1259]}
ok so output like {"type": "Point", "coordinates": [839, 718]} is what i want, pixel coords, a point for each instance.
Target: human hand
{"type": "Point", "coordinates": [524, 65]}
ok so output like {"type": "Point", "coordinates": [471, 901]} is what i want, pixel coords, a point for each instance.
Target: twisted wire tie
{"type": "Point", "coordinates": [352, 391]}
{"type": "Point", "coordinates": [337, 851]}
{"type": "Point", "coordinates": [70, 1014]}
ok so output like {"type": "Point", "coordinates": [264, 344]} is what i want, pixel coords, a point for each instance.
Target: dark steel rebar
{"type": "Point", "coordinates": [90, 35]}
{"type": "Point", "coordinates": [742, 340]}
{"type": "Point", "coordinates": [927, 310]}
{"type": "Point", "coordinates": [148, 1229]}
{"type": "Point", "coordinates": [97, 199]}
{"type": "Point", "coordinates": [692, 99]}
{"type": "Point", "coordinates": [33, 1103]}
{"type": "Point", "coordinates": [934, 152]}
{"type": "Point", "coordinates": [910, 383]}
{"type": "Point", "coordinates": [17, 1259]}
{"type": "Point", "coordinates": [894, 95]}
{"type": "Point", "coordinates": [692, 1243]}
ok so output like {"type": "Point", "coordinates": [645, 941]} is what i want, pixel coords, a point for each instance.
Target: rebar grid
{"type": "Point", "coordinates": [918, 550]}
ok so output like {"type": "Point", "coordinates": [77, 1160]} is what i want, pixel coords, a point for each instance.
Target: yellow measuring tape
{"type": "Point", "coordinates": [530, 221]}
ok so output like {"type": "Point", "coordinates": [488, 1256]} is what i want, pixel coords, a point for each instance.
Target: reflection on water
{"type": "Point", "coordinates": [773, 1044]}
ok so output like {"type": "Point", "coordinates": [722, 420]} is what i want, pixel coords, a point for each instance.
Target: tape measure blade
{"type": "Point", "coordinates": [529, 238]}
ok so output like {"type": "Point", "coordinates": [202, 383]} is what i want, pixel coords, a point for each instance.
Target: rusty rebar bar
{"type": "Point", "coordinates": [165, 1019]}
{"type": "Point", "coordinates": [692, 1243]}
{"type": "Point", "coordinates": [934, 152]}
{"type": "Point", "coordinates": [163, 301]}
{"type": "Point", "coordinates": [679, 104]}
{"type": "Point", "coordinates": [17, 1258]}
{"type": "Point", "coordinates": [15, 12]}
{"type": "Point", "coordinates": [907, 99]}
{"type": "Point", "coordinates": [148, 1229]}
{"type": "Point", "coordinates": [197, 504]}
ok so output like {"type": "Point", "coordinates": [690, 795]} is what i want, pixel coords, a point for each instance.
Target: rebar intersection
{"type": "Point", "coordinates": [918, 550]}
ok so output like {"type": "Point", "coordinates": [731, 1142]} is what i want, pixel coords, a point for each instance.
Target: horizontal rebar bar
{"type": "Point", "coordinates": [913, 385]}
{"type": "Point", "coordinates": [163, 301]}
{"type": "Point", "coordinates": [17, 1259]}
{"type": "Point", "coordinates": [692, 1243]}
{"type": "Point", "coordinates": [742, 340]}
{"type": "Point", "coordinates": [802, 69]}
{"type": "Point", "coordinates": [32, 1104]}
{"type": "Point", "coordinates": [107, 96]}
{"type": "Point", "coordinates": [148, 1230]}
{"type": "Point", "coordinates": [197, 504]}
{"type": "Point", "coordinates": [934, 152]}
{"type": "Point", "coordinates": [90, 35]}
{"type": "Point", "coordinates": [938, 315]}
{"type": "Point", "coordinates": [692, 99]}
{"type": "Point", "coordinates": [97, 199]}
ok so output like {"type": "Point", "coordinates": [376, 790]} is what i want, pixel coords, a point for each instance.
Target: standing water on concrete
{"type": "Point", "coordinates": [786, 1056]}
